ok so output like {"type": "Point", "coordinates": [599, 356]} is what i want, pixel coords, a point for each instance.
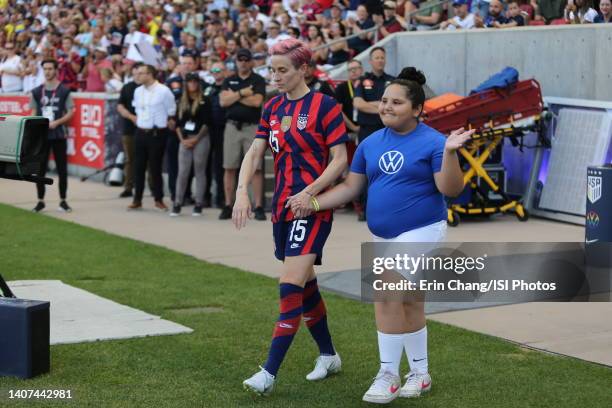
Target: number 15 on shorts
{"type": "Point", "coordinates": [298, 231]}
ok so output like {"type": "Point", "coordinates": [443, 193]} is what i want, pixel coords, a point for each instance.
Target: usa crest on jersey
{"type": "Point", "coordinates": [302, 121]}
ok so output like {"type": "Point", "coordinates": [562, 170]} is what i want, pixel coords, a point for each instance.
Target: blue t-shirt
{"type": "Point", "coordinates": [402, 193]}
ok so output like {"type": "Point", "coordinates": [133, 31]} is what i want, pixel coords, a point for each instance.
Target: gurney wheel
{"type": "Point", "coordinates": [522, 214]}
{"type": "Point", "coordinates": [453, 219]}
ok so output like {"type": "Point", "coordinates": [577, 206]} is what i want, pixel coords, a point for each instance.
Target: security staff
{"type": "Point", "coordinates": [126, 110]}
{"type": "Point", "coordinates": [155, 109]}
{"type": "Point", "coordinates": [215, 162]}
{"type": "Point", "coordinates": [242, 95]}
{"type": "Point", "coordinates": [367, 98]}
{"type": "Point", "coordinates": [53, 101]}
{"type": "Point", "coordinates": [188, 64]}
{"type": "Point", "coordinates": [369, 92]}
{"type": "Point", "coordinates": [316, 84]}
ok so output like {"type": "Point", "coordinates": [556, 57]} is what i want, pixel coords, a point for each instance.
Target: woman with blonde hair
{"type": "Point", "coordinates": [194, 120]}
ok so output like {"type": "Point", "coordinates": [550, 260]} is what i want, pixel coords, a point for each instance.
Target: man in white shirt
{"type": "Point", "coordinates": [10, 70]}
{"type": "Point", "coordinates": [462, 20]}
{"type": "Point", "coordinates": [274, 34]}
{"type": "Point", "coordinates": [155, 110]}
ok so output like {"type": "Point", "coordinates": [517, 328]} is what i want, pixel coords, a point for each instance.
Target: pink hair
{"type": "Point", "coordinates": [295, 50]}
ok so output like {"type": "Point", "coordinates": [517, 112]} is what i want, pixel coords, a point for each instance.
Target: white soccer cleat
{"type": "Point", "coordinates": [325, 366]}
{"type": "Point", "coordinates": [384, 389]}
{"type": "Point", "coordinates": [261, 383]}
{"type": "Point", "coordinates": [416, 384]}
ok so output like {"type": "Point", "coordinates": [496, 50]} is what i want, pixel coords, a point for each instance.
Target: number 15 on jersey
{"type": "Point", "coordinates": [274, 141]}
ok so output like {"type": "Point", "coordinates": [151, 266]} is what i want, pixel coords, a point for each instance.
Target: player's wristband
{"type": "Point", "coordinates": [315, 204]}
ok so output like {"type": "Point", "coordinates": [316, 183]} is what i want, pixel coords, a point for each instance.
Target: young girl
{"type": "Point", "coordinates": [194, 121]}
{"type": "Point", "coordinates": [407, 168]}
{"type": "Point", "coordinates": [303, 128]}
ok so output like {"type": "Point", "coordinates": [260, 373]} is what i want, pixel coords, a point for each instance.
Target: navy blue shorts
{"type": "Point", "coordinates": [301, 237]}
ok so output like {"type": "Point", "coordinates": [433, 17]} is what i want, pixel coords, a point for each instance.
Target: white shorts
{"type": "Point", "coordinates": [432, 236]}
{"type": "Point", "coordinates": [435, 232]}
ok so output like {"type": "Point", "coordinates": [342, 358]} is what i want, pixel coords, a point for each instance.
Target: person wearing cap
{"type": "Point", "coordinates": [314, 83]}
{"type": "Point", "coordinates": [155, 108]}
{"type": "Point", "coordinates": [274, 34]}
{"type": "Point", "coordinates": [367, 98]}
{"type": "Point", "coordinates": [242, 96]}
{"type": "Point", "coordinates": [255, 14]}
{"type": "Point", "coordinates": [91, 71]}
{"type": "Point", "coordinates": [388, 23]}
{"type": "Point", "coordinates": [462, 19]}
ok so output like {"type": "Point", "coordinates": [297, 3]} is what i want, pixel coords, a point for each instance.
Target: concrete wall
{"type": "Point", "coordinates": [573, 61]}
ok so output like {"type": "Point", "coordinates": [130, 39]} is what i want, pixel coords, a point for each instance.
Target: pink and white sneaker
{"type": "Point", "coordinates": [384, 389]}
{"type": "Point", "coordinates": [416, 384]}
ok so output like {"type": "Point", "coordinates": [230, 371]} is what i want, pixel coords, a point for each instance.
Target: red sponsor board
{"type": "Point", "coordinates": [85, 130]}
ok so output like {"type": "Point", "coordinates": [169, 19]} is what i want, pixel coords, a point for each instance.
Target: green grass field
{"type": "Point", "coordinates": [206, 368]}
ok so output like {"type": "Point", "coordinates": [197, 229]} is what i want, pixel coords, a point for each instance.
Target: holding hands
{"type": "Point", "coordinates": [301, 204]}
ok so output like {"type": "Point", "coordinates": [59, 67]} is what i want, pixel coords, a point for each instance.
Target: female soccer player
{"type": "Point", "coordinates": [408, 167]}
{"type": "Point", "coordinates": [303, 129]}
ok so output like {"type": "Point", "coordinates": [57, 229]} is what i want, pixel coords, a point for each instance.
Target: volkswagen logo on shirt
{"type": "Point", "coordinates": [391, 162]}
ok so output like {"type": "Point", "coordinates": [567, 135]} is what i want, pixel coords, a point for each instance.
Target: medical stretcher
{"type": "Point", "coordinates": [495, 114]}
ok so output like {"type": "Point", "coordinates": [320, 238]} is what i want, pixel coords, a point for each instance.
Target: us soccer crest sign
{"type": "Point", "coordinates": [594, 188]}
{"type": "Point", "coordinates": [302, 121]}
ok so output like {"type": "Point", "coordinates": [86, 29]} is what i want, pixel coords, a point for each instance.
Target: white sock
{"type": "Point", "coordinates": [416, 350]}
{"type": "Point", "coordinates": [390, 347]}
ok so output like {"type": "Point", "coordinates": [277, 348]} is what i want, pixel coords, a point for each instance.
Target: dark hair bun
{"type": "Point", "coordinates": [412, 74]}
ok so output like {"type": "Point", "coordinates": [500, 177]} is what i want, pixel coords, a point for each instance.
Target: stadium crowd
{"type": "Point", "coordinates": [98, 47]}
{"type": "Point", "coordinates": [93, 40]}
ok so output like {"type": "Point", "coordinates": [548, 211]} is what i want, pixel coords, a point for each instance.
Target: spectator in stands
{"type": "Point", "coordinates": [425, 19]}
{"type": "Point", "coordinates": [274, 34]}
{"type": "Point", "coordinates": [314, 41]}
{"type": "Point", "coordinates": [194, 122]}
{"type": "Point", "coordinates": [496, 15]}
{"type": "Point", "coordinates": [462, 19]}
{"type": "Point", "coordinates": [112, 81]}
{"type": "Point", "coordinates": [33, 75]}
{"type": "Point", "coordinates": [217, 130]}
{"type": "Point", "coordinates": [155, 108]}
{"type": "Point", "coordinates": [338, 50]}
{"type": "Point", "coordinates": [515, 18]}
{"type": "Point", "coordinates": [580, 12]}
{"type": "Point", "coordinates": [362, 23]}
{"type": "Point", "coordinates": [605, 12]}
{"type": "Point", "coordinates": [91, 72]}
{"type": "Point", "coordinates": [388, 23]}
{"type": "Point", "coordinates": [549, 10]}
{"type": "Point", "coordinates": [126, 110]}
{"type": "Point", "coordinates": [69, 64]}
{"type": "Point", "coordinates": [118, 31]}
{"type": "Point", "coordinates": [53, 101]}
{"type": "Point", "coordinates": [10, 69]}
{"type": "Point", "coordinates": [480, 8]}
{"type": "Point", "coordinates": [242, 96]}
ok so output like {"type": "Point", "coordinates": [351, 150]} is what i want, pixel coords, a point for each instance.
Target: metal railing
{"type": "Point", "coordinates": [377, 27]}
